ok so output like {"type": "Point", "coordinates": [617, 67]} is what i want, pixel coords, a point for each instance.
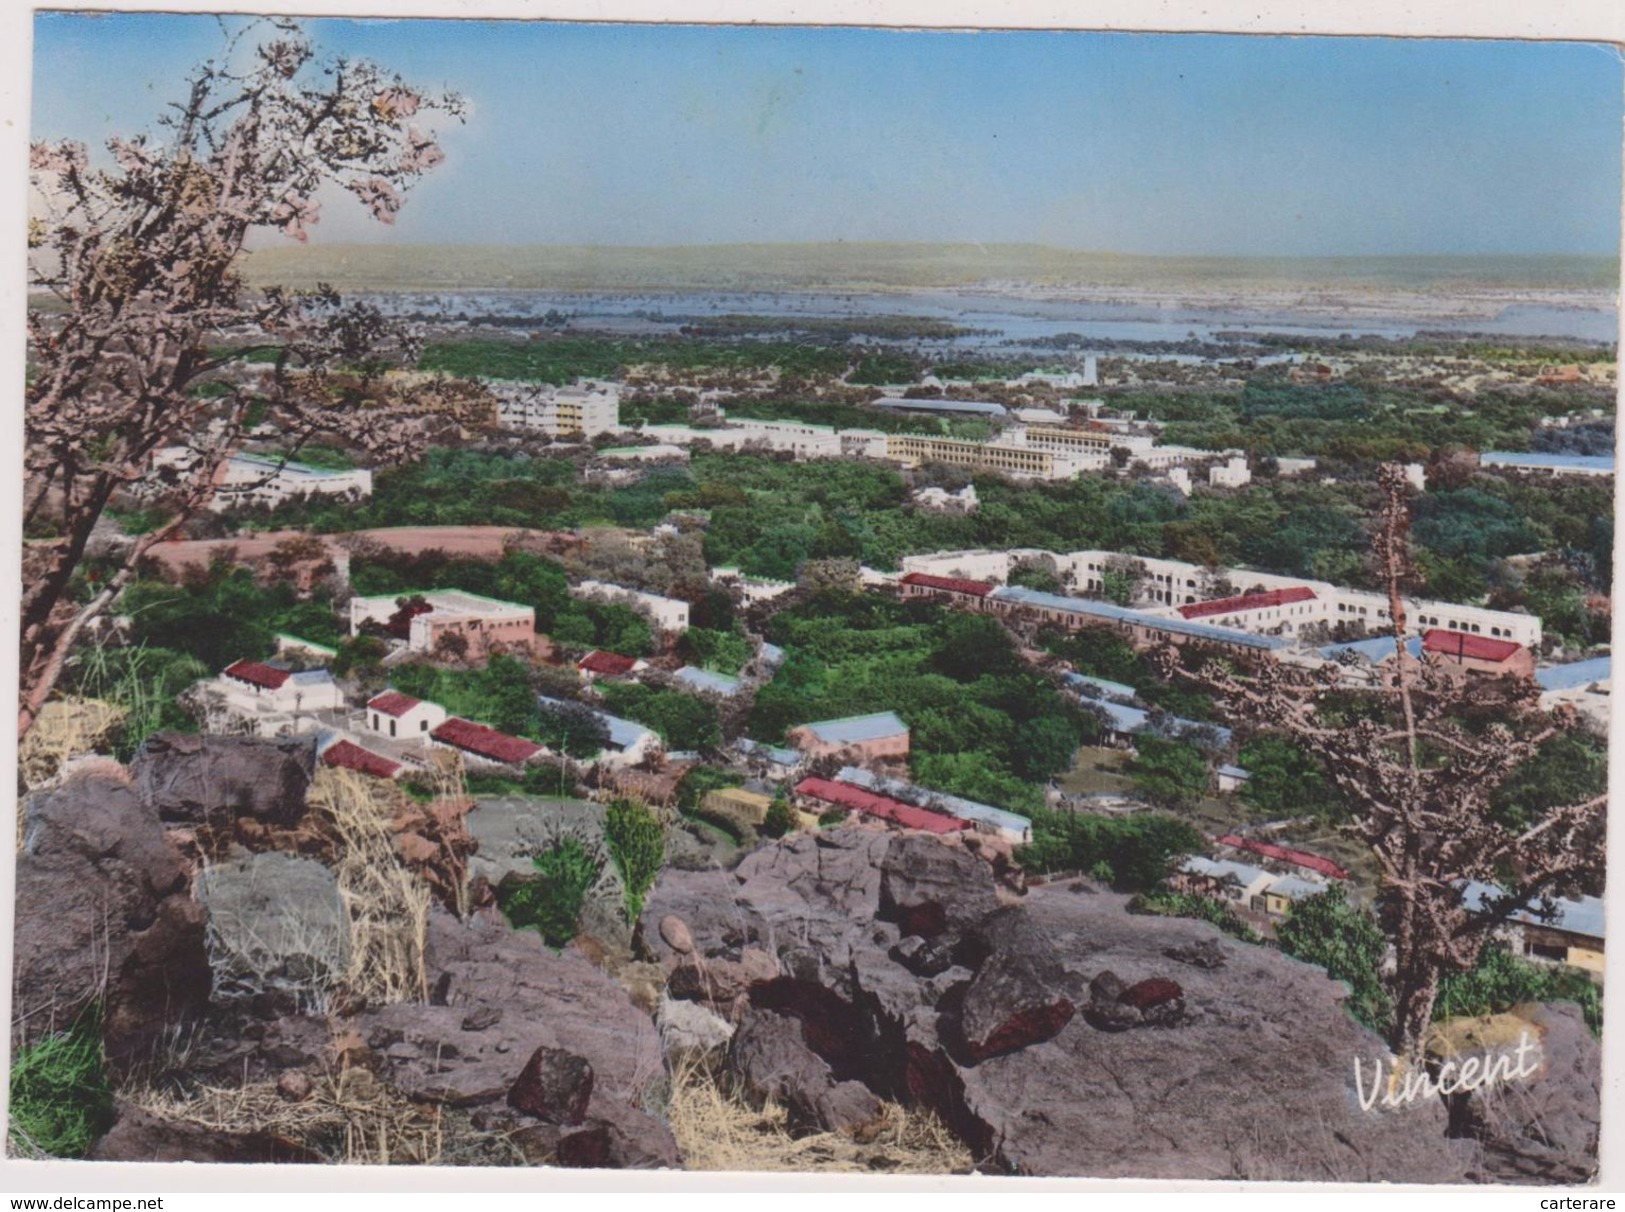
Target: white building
{"type": "Point", "coordinates": [269, 480]}
{"type": "Point", "coordinates": [1232, 473]}
{"type": "Point", "coordinates": [940, 500]}
{"type": "Point", "coordinates": [751, 589]}
{"type": "Point", "coordinates": [480, 620]}
{"type": "Point", "coordinates": [668, 614]}
{"type": "Point", "coordinates": [802, 440]}
{"type": "Point", "coordinates": [402, 717]}
{"type": "Point", "coordinates": [582, 410]}
{"type": "Point", "coordinates": [269, 701]}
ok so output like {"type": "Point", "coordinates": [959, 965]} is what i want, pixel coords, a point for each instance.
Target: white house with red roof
{"type": "Point", "coordinates": [268, 700]}
{"type": "Point", "coordinates": [402, 717]}
{"type": "Point", "coordinates": [1284, 610]}
{"type": "Point", "coordinates": [601, 664]}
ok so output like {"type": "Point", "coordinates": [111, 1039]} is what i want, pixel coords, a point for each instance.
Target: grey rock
{"type": "Point", "coordinates": [212, 780]}
{"type": "Point", "coordinates": [276, 921]}
{"type": "Point", "coordinates": [104, 912]}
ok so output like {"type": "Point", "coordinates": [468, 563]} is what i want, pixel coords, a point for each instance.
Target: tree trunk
{"type": "Point", "coordinates": [1416, 989]}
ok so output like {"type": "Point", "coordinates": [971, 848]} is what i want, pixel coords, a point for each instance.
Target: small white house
{"type": "Point", "coordinates": [402, 717]}
{"type": "Point", "coordinates": [269, 700]}
{"type": "Point", "coordinates": [1232, 778]}
{"type": "Point", "coordinates": [668, 614]}
{"type": "Point", "coordinates": [1232, 473]}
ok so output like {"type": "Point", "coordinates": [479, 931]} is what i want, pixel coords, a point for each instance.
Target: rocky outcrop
{"type": "Point", "coordinates": [1543, 1130]}
{"type": "Point", "coordinates": [217, 781]}
{"type": "Point", "coordinates": [104, 914]}
{"type": "Point", "coordinates": [499, 998]}
{"type": "Point", "coordinates": [276, 921]}
{"type": "Point", "coordinates": [771, 1060]}
{"type": "Point", "coordinates": [139, 1136]}
{"type": "Point", "coordinates": [1238, 1069]}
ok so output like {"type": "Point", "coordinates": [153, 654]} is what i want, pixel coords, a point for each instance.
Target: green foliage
{"type": "Point", "coordinates": [1140, 849]}
{"type": "Point", "coordinates": [879, 368]}
{"type": "Point", "coordinates": [1569, 768]}
{"type": "Point", "coordinates": [61, 1099]}
{"type": "Point", "coordinates": [1500, 981]}
{"type": "Point", "coordinates": [637, 842]}
{"type": "Point", "coordinates": [500, 695]}
{"type": "Point", "coordinates": [564, 359]}
{"type": "Point", "coordinates": [573, 729]}
{"type": "Point", "coordinates": [222, 614]}
{"type": "Point", "coordinates": [684, 721]}
{"type": "Point", "coordinates": [552, 900]}
{"type": "Point", "coordinates": [1327, 931]}
{"type": "Point", "coordinates": [722, 651]}
{"type": "Point", "coordinates": [1166, 903]}
{"type": "Point", "coordinates": [1169, 774]}
{"type": "Point", "coordinates": [1286, 781]}
{"type": "Point", "coordinates": [699, 781]}
{"type": "Point", "coordinates": [780, 818]}
{"type": "Point", "coordinates": [144, 681]}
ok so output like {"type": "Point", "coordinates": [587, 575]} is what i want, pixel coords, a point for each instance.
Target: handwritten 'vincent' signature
{"type": "Point", "coordinates": [1406, 1084]}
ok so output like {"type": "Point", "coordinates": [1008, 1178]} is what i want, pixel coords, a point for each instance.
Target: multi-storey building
{"type": "Point", "coordinates": [581, 410]}
{"type": "Point", "coordinates": [481, 621]}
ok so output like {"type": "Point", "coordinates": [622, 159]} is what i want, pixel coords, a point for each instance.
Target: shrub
{"type": "Point", "coordinates": [1139, 849]}
{"type": "Point", "coordinates": [780, 819]}
{"type": "Point", "coordinates": [637, 843]}
{"type": "Point", "coordinates": [1347, 942]}
{"type": "Point", "coordinates": [1500, 980]}
{"type": "Point", "coordinates": [1165, 903]}
{"type": "Point", "coordinates": [61, 1101]}
{"type": "Point", "coordinates": [551, 900]}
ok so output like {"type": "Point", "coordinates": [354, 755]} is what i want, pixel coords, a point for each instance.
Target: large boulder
{"type": "Point", "coordinates": [772, 1062]}
{"type": "Point", "coordinates": [1252, 1078]}
{"type": "Point", "coordinates": [140, 1136]}
{"type": "Point", "coordinates": [276, 921]}
{"type": "Point", "coordinates": [1541, 1126]}
{"type": "Point", "coordinates": [104, 912]}
{"type": "Point", "coordinates": [500, 997]}
{"type": "Point", "coordinates": [216, 780]}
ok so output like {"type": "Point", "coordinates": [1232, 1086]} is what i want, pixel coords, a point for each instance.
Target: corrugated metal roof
{"type": "Point", "coordinates": [1471, 647]}
{"type": "Point", "coordinates": [1110, 690]}
{"type": "Point", "coordinates": [393, 703]}
{"type": "Point", "coordinates": [257, 673]}
{"type": "Point", "coordinates": [1285, 854]}
{"type": "Point", "coordinates": [611, 664]}
{"type": "Point", "coordinates": [1172, 624]}
{"type": "Point", "coordinates": [854, 729]}
{"type": "Point", "coordinates": [1294, 888]}
{"type": "Point", "coordinates": [962, 585]}
{"type": "Point", "coordinates": [981, 408]}
{"type": "Point", "coordinates": [1249, 601]}
{"type": "Point", "coordinates": [1543, 460]}
{"type": "Point", "coordinates": [1585, 915]}
{"type": "Point", "coordinates": [1235, 772]}
{"type": "Point", "coordinates": [1376, 650]}
{"type": "Point", "coordinates": [623, 734]}
{"type": "Point", "coordinates": [704, 679]}
{"type": "Point", "coordinates": [347, 755]}
{"type": "Point", "coordinates": [1576, 674]}
{"type": "Point", "coordinates": [898, 813]}
{"type": "Point", "coordinates": [1223, 869]}
{"type": "Point", "coordinates": [773, 753]}
{"type": "Point", "coordinates": [924, 797]}
{"type": "Point", "coordinates": [486, 742]}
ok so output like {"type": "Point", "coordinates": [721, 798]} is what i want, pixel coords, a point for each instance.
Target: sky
{"type": "Point", "coordinates": [1137, 143]}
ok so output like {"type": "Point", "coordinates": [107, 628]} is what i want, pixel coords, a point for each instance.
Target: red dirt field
{"type": "Point", "coordinates": [481, 542]}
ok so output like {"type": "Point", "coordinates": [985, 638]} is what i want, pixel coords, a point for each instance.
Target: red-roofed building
{"type": "Point", "coordinates": [487, 744]}
{"type": "Point", "coordinates": [961, 590]}
{"type": "Point", "coordinates": [1248, 603]}
{"type": "Point", "coordinates": [893, 812]}
{"type": "Point", "coordinates": [1478, 653]}
{"type": "Point", "coordinates": [1285, 854]}
{"type": "Point", "coordinates": [401, 716]}
{"type": "Point", "coordinates": [347, 755]}
{"type": "Point", "coordinates": [601, 664]}
{"type": "Point", "coordinates": [257, 674]}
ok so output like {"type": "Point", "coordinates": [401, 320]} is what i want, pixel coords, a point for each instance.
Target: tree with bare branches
{"type": "Point", "coordinates": [1418, 757]}
{"type": "Point", "coordinates": [140, 379]}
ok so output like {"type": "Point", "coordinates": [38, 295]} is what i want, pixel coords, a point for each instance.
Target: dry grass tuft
{"type": "Point", "coordinates": [718, 1130]}
{"type": "Point", "coordinates": [388, 906]}
{"type": "Point", "coordinates": [66, 728]}
{"type": "Point", "coordinates": [350, 1117]}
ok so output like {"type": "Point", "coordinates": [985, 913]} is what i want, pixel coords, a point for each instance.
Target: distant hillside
{"type": "Point", "coordinates": [863, 267]}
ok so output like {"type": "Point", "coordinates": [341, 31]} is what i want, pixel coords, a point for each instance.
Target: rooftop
{"type": "Point", "coordinates": [1223, 869]}
{"type": "Point", "coordinates": [1469, 647]}
{"type": "Point", "coordinates": [623, 734]}
{"type": "Point", "coordinates": [612, 664]}
{"type": "Point", "coordinates": [347, 755]}
{"type": "Point", "coordinates": [485, 742]}
{"type": "Point", "coordinates": [1039, 600]}
{"type": "Point", "coordinates": [1285, 854]}
{"type": "Point", "coordinates": [1083, 683]}
{"type": "Point", "coordinates": [773, 753]}
{"type": "Point", "coordinates": [257, 673]}
{"type": "Point", "coordinates": [981, 408]}
{"type": "Point", "coordinates": [924, 797]}
{"type": "Point", "coordinates": [393, 703]}
{"type": "Point", "coordinates": [704, 679]}
{"type": "Point", "coordinates": [1585, 915]}
{"type": "Point", "coordinates": [898, 813]}
{"type": "Point", "coordinates": [1249, 601]}
{"type": "Point", "coordinates": [1542, 460]}
{"type": "Point", "coordinates": [855, 728]}
{"type": "Point", "coordinates": [963, 585]}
